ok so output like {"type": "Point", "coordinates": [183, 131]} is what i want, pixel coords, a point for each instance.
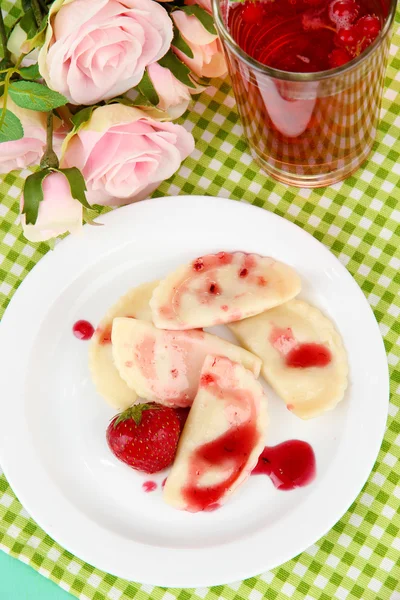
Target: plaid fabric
{"type": "Point", "coordinates": [359, 220]}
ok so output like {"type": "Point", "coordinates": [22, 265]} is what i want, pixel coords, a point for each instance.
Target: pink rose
{"type": "Point", "coordinates": [29, 149]}
{"type": "Point", "coordinates": [58, 213]}
{"type": "Point", "coordinates": [174, 96]}
{"type": "Point", "coordinates": [206, 4]}
{"type": "Point", "coordinates": [124, 154]}
{"type": "Point", "coordinates": [97, 49]}
{"type": "Point", "coordinates": [209, 60]}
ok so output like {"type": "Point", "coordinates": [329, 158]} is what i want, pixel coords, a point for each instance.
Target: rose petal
{"type": "Point", "coordinates": [58, 212]}
{"type": "Point", "coordinates": [100, 49]}
{"type": "Point", "coordinates": [191, 28]}
{"type": "Point", "coordinates": [122, 151]}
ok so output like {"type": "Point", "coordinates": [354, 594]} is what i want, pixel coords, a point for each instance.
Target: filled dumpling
{"type": "Point", "coordinates": [164, 366]}
{"type": "Point", "coordinates": [223, 437]}
{"type": "Point", "coordinates": [221, 288]}
{"type": "Point", "coordinates": [104, 374]}
{"type": "Point", "coordinates": [303, 356]}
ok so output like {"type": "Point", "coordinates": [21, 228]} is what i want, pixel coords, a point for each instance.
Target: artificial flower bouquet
{"type": "Point", "coordinates": [88, 92]}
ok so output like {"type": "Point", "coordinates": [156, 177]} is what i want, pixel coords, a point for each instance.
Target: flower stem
{"type": "Point", "coordinates": [3, 37]}
{"type": "Point", "coordinates": [65, 114]}
{"type": "Point", "coordinates": [6, 83]}
{"type": "Point", "coordinates": [37, 13]}
{"type": "Point", "coordinates": [5, 97]}
{"type": "Point", "coordinates": [49, 158]}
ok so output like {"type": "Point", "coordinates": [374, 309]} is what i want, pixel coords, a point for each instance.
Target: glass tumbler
{"type": "Point", "coordinates": [308, 129]}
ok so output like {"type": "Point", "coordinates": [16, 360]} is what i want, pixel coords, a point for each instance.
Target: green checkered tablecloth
{"type": "Point", "coordinates": [359, 220]}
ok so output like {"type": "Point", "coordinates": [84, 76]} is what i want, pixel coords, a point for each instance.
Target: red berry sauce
{"type": "Point", "coordinates": [301, 35]}
{"type": "Point", "coordinates": [212, 261]}
{"type": "Point", "coordinates": [308, 355]}
{"type": "Point", "coordinates": [83, 330]}
{"type": "Point", "coordinates": [296, 355]}
{"type": "Point", "coordinates": [105, 335]}
{"type": "Point", "coordinates": [149, 486]}
{"type": "Point", "coordinates": [289, 465]}
{"type": "Point", "coordinates": [230, 451]}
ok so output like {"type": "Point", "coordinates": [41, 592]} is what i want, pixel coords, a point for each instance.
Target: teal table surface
{"type": "Point", "coordinates": [20, 582]}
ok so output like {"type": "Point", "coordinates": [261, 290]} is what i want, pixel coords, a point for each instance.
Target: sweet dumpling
{"type": "Point", "coordinates": [221, 288]}
{"type": "Point", "coordinates": [303, 356]}
{"type": "Point", "coordinates": [164, 366]}
{"type": "Point", "coordinates": [223, 437]}
{"type": "Point", "coordinates": [104, 374]}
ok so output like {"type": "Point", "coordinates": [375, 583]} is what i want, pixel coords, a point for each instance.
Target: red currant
{"type": "Point", "coordinates": [343, 12]}
{"type": "Point", "coordinates": [338, 57]}
{"type": "Point", "coordinates": [252, 12]}
{"type": "Point", "coordinates": [347, 38]}
{"type": "Point", "coordinates": [368, 28]}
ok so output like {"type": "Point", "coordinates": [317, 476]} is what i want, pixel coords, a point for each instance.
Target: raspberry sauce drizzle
{"type": "Point", "coordinates": [83, 330]}
{"type": "Point", "coordinates": [149, 486]}
{"type": "Point", "coordinates": [304, 356]}
{"type": "Point", "coordinates": [230, 451]}
{"type": "Point", "coordinates": [289, 465]}
{"type": "Point", "coordinates": [299, 355]}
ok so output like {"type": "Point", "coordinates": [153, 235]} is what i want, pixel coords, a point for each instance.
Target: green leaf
{"type": "Point", "coordinates": [26, 5]}
{"type": "Point", "coordinates": [180, 43]}
{"type": "Point", "coordinates": [139, 100]}
{"type": "Point", "coordinates": [35, 96]}
{"type": "Point", "coordinates": [88, 218]}
{"type": "Point", "coordinates": [77, 185]}
{"type": "Point", "coordinates": [203, 16]}
{"type": "Point", "coordinates": [147, 89]}
{"type": "Point", "coordinates": [11, 129]}
{"type": "Point", "coordinates": [28, 23]}
{"type": "Point", "coordinates": [82, 117]}
{"type": "Point", "coordinates": [37, 38]}
{"type": "Point", "coordinates": [30, 73]}
{"type": "Point", "coordinates": [33, 195]}
{"type": "Point", "coordinates": [134, 412]}
{"type": "Point", "coordinates": [171, 61]}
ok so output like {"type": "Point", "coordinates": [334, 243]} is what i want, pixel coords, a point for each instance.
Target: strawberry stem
{"type": "Point", "coordinates": [134, 412]}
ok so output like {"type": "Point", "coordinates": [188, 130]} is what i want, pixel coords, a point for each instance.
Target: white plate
{"type": "Point", "coordinates": [59, 464]}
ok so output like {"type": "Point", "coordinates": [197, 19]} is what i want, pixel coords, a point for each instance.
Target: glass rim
{"type": "Point", "coordinates": [289, 75]}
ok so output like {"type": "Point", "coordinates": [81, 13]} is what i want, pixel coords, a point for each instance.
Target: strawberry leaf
{"type": "Point", "coordinates": [134, 412]}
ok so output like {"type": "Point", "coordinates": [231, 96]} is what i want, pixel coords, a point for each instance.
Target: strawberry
{"type": "Point", "coordinates": [145, 436]}
{"type": "Point", "coordinates": [183, 413]}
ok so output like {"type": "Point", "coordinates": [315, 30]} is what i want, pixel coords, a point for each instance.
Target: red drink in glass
{"type": "Point", "coordinates": [308, 78]}
{"type": "Point", "coordinates": [306, 36]}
